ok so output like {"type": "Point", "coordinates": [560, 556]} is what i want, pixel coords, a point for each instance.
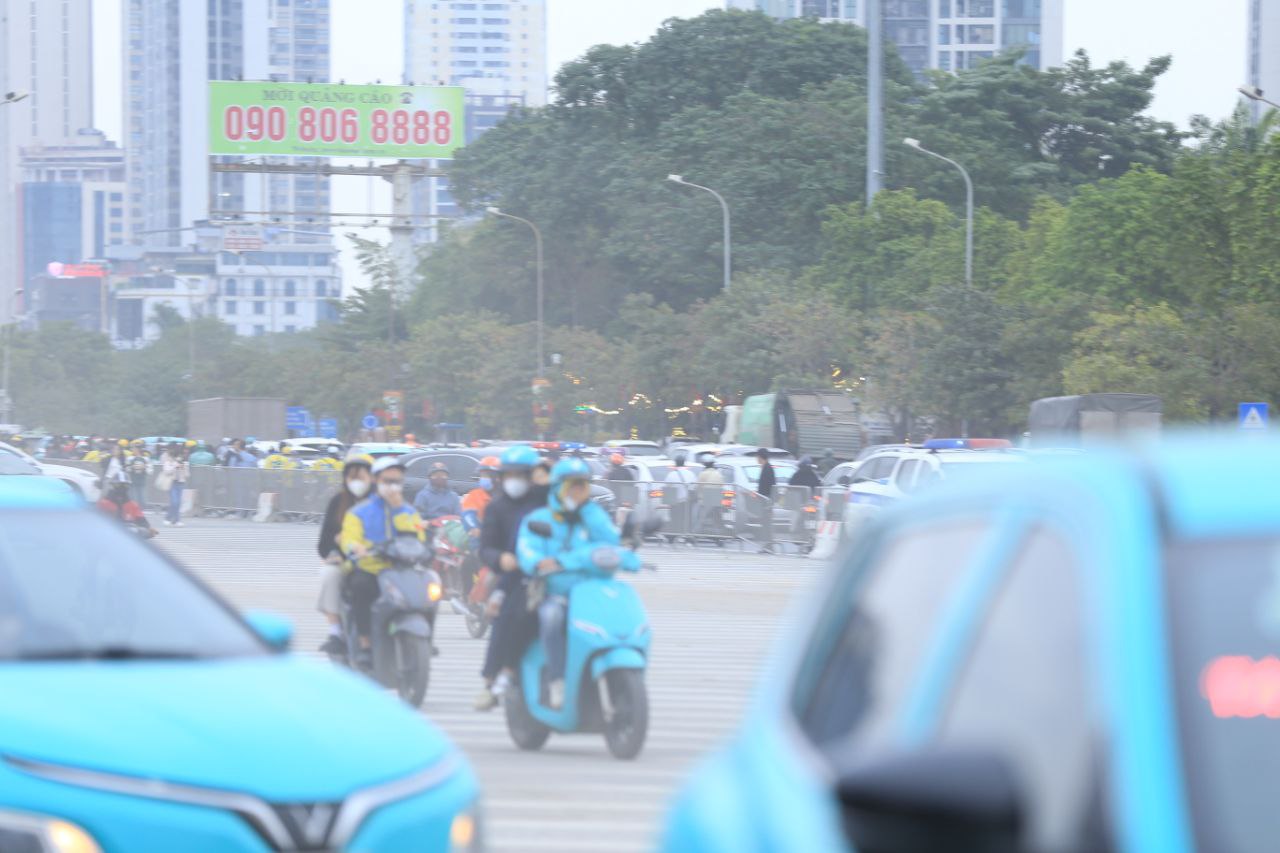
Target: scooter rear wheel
{"type": "Point", "coordinates": [625, 732]}
{"type": "Point", "coordinates": [477, 622]}
{"type": "Point", "coordinates": [526, 732]}
{"type": "Point", "coordinates": [413, 667]}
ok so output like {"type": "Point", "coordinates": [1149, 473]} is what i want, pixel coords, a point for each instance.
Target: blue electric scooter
{"type": "Point", "coordinates": [608, 651]}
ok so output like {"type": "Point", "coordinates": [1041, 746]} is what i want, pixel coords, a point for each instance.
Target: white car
{"type": "Point", "coordinates": [84, 482]}
{"type": "Point", "coordinates": [891, 474]}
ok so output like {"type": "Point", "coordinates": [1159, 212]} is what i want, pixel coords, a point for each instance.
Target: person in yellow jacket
{"type": "Point", "coordinates": [281, 460]}
{"type": "Point", "coordinates": [366, 525]}
{"type": "Point", "coordinates": [330, 461]}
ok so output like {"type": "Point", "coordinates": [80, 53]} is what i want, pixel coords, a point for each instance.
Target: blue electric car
{"type": "Point", "coordinates": [139, 712]}
{"type": "Point", "coordinates": [1074, 654]}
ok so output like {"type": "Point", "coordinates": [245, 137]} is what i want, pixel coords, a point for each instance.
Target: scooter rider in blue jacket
{"type": "Point", "coordinates": [567, 557]}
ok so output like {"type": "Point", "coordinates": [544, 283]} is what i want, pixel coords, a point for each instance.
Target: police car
{"type": "Point", "coordinates": [888, 475]}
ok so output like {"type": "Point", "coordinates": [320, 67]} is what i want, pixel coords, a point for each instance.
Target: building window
{"type": "Point", "coordinates": [229, 287]}
{"type": "Point", "coordinates": [289, 330]}
{"type": "Point", "coordinates": [259, 287]}
{"type": "Point", "coordinates": [259, 330]}
{"type": "Point", "coordinates": [290, 288]}
{"type": "Point", "coordinates": [944, 60]}
{"type": "Point", "coordinates": [981, 34]}
{"type": "Point", "coordinates": [322, 288]}
{"type": "Point", "coordinates": [259, 307]}
{"type": "Point", "coordinates": [291, 308]}
{"type": "Point", "coordinates": [944, 34]}
{"type": "Point", "coordinates": [230, 306]}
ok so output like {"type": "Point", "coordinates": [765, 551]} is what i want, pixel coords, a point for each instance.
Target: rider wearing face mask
{"type": "Point", "coordinates": [517, 497]}
{"type": "Point", "coordinates": [565, 558]}
{"type": "Point", "coordinates": [476, 501]}
{"type": "Point", "coordinates": [366, 525]}
{"type": "Point", "coordinates": [356, 481]}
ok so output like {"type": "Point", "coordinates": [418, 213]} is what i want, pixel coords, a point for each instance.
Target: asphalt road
{"type": "Point", "coordinates": [714, 614]}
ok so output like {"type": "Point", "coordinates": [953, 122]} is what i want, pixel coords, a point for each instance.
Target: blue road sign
{"type": "Point", "coordinates": [1254, 415]}
{"type": "Point", "coordinates": [296, 417]}
{"type": "Point", "coordinates": [328, 427]}
{"type": "Point", "coordinates": [370, 422]}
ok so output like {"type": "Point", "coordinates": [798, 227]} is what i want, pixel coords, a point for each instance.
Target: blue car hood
{"type": "Point", "coordinates": [278, 727]}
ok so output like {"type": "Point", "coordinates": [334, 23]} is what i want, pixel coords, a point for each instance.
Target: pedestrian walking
{"type": "Point", "coordinates": [173, 476]}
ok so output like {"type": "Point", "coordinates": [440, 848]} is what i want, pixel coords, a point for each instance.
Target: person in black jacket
{"type": "Point", "coordinates": [518, 495]}
{"type": "Point", "coordinates": [805, 474]}
{"type": "Point", "coordinates": [768, 477]}
{"type": "Point", "coordinates": [356, 482]}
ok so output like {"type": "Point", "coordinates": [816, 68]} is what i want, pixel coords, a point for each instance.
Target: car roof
{"type": "Point", "coordinates": [28, 492]}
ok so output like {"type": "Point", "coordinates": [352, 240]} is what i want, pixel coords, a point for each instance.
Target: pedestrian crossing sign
{"type": "Point", "coordinates": [1254, 416]}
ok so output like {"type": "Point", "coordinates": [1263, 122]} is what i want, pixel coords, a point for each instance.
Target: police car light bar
{"type": "Point", "coordinates": [967, 444]}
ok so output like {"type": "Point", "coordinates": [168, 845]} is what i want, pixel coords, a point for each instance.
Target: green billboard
{"type": "Point", "coordinates": [335, 120]}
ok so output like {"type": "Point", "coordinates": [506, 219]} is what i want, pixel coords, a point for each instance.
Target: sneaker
{"type": "Point", "coordinates": [501, 683]}
{"type": "Point", "coordinates": [555, 695]}
{"type": "Point", "coordinates": [179, 524]}
{"type": "Point", "coordinates": [486, 701]}
{"type": "Point", "coordinates": [334, 646]}
{"type": "Point", "coordinates": [168, 523]}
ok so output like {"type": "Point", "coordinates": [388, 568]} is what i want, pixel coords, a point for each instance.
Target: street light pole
{"type": "Point", "coordinates": [968, 183]}
{"type": "Point", "coordinates": [537, 236]}
{"type": "Point", "coordinates": [1255, 94]}
{"type": "Point", "coordinates": [728, 226]}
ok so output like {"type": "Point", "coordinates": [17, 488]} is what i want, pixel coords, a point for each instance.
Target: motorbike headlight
{"type": "Point", "coordinates": [42, 834]}
{"type": "Point", "coordinates": [435, 591]}
{"type": "Point", "coordinates": [466, 835]}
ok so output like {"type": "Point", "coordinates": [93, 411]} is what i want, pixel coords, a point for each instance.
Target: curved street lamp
{"type": "Point", "coordinates": [537, 236]}
{"type": "Point", "coordinates": [968, 183]}
{"type": "Point", "coordinates": [728, 228]}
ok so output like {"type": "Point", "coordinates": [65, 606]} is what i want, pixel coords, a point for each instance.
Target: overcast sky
{"type": "Point", "coordinates": [1208, 49]}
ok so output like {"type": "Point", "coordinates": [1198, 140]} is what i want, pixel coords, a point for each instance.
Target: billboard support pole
{"type": "Point", "coordinates": [402, 224]}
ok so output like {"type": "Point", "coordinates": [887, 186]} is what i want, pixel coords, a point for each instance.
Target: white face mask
{"type": "Point", "coordinates": [570, 504]}
{"type": "Point", "coordinates": [390, 490]}
{"type": "Point", "coordinates": [516, 488]}
{"type": "Point", "coordinates": [358, 488]}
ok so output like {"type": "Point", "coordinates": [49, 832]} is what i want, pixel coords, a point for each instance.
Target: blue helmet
{"type": "Point", "coordinates": [522, 457]}
{"type": "Point", "coordinates": [568, 469]}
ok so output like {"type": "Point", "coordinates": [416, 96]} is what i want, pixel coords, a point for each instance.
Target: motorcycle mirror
{"type": "Point", "coordinates": [540, 528]}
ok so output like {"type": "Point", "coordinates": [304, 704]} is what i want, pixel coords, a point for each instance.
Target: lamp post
{"type": "Point", "coordinates": [537, 236]}
{"type": "Point", "coordinates": [968, 183]}
{"type": "Point", "coordinates": [1255, 94]}
{"type": "Point", "coordinates": [728, 225]}
{"type": "Point", "coordinates": [6, 402]}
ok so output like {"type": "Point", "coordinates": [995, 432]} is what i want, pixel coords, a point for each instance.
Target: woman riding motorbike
{"type": "Point", "coordinates": [356, 482]}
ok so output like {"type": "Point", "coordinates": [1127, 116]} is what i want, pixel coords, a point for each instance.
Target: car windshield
{"type": "Point", "coordinates": [781, 472]}
{"type": "Point", "coordinates": [1225, 603]}
{"type": "Point", "coordinates": [643, 450]}
{"type": "Point", "coordinates": [10, 464]}
{"type": "Point", "coordinates": [102, 593]}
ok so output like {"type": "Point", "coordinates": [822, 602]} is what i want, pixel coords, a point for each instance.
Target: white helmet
{"type": "Point", "coordinates": [387, 462]}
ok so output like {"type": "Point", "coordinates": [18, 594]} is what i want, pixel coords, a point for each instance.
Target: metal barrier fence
{"type": "Point", "coordinates": [690, 511]}
{"type": "Point", "coordinates": [695, 511]}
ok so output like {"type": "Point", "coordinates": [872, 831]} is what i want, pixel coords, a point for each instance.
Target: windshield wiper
{"type": "Point", "coordinates": [104, 653]}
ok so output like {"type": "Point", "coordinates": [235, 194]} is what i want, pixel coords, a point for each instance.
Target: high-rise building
{"type": "Point", "coordinates": [1264, 51]}
{"type": "Point", "coordinates": [496, 51]}
{"type": "Point", "coordinates": [46, 54]}
{"type": "Point", "coordinates": [70, 202]}
{"type": "Point", "coordinates": [172, 51]}
{"type": "Point", "coordinates": [949, 35]}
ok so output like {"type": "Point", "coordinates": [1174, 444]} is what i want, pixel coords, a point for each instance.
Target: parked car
{"type": "Point", "coordinates": [1078, 653]}
{"type": "Point", "coordinates": [378, 449]}
{"type": "Point", "coordinates": [85, 483]}
{"type": "Point", "coordinates": [141, 712]}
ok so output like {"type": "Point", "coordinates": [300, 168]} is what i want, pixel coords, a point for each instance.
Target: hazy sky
{"type": "Point", "coordinates": [1209, 50]}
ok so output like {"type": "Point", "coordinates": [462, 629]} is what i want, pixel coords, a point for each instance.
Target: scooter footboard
{"type": "Point", "coordinates": [622, 657]}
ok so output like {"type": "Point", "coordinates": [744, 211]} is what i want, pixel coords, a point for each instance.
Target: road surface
{"type": "Point", "coordinates": [714, 614]}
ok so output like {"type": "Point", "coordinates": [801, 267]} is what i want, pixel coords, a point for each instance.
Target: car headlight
{"type": "Point", "coordinates": [33, 833]}
{"type": "Point", "coordinates": [466, 834]}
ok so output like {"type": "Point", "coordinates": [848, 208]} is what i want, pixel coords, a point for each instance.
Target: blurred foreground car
{"type": "Point", "coordinates": [138, 712]}
{"type": "Point", "coordinates": [1075, 654]}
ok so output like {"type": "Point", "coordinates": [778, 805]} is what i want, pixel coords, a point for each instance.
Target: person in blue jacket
{"type": "Point", "coordinates": [565, 558]}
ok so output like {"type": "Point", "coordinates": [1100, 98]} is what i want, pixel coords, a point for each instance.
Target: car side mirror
{"type": "Point", "coordinates": [273, 629]}
{"type": "Point", "coordinates": [845, 480]}
{"type": "Point", "coordinates": [540, 528]}
{"type": "Point", "coordinates": [937, 799]}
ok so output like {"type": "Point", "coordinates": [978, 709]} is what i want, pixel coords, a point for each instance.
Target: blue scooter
{"type": "Point", "coordinates": [604, 669]}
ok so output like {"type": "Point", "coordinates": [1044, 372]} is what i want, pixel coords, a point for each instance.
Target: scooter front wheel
{"type": "Point", "coordinates": [526, 732]}
{"type": "Point", "coordinates": [626, 729]}
{"type": "Point", "coordinates": [413, 667]}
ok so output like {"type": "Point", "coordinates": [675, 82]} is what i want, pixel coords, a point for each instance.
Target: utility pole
{"type": "Point", "coordinates": [875, 99]}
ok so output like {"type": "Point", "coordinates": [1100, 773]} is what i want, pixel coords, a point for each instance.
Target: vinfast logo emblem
{"type": "Point", "coordinates": [308, 823]}
{"type": "Point", "coordinates": [1239, 687]}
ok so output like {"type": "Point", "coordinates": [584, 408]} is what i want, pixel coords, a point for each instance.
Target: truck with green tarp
{"type": "Point", "coordinates": [807, 423]}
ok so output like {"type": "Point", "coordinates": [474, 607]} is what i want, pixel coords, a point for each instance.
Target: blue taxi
{"type": "Point", "coordinates": [1080, 653]}
{"type": "Point", "coordinates": [139, 712]}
